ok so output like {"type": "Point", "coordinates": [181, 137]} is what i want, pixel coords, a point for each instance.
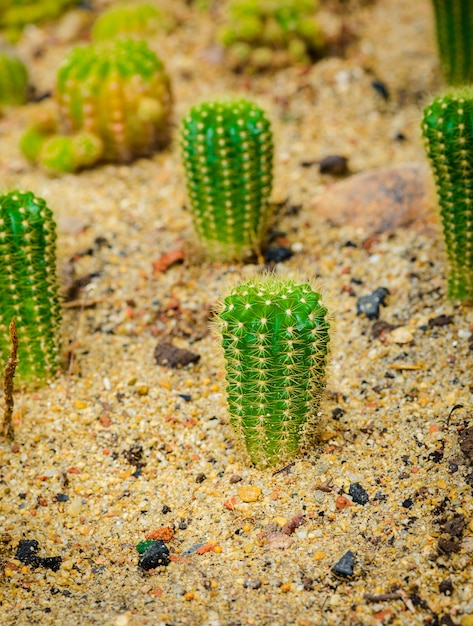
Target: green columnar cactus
{"type": "Point", "coordinates": [131, 18]}
{"type": "Point", "coordinates": [454, 29]}
{"type": "Point", "coordinates": [28, 285]}
{"type": "Point", "coordinates": [275, 338]}
{"type": "Point", "coordinates": [271, 33]}
{"type": "Point", "coordinates": [13, 78]}
{"type": "Point", "coordinates": [227, 151]}
{"type": "Point", "coordinates": [448, 134]}
{"type": "Point", "coordinates": [118, 91]}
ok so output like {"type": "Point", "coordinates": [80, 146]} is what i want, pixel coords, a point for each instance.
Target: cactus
{"type": "Point", "coordinates": [448, 135]}
{"type": "Point", "coordinates": [15, 14]}
{"type": "Point", "coordinates": [118, 91]}
{"type": "Point", "coordinates": [131, 18]}
{"type": "Point", "coordinates": [454, 30]}
{"type": "Point", "coordinates": [227, 152]}
{"type": "Point", "coordinates": [13, 78]}
{"type": "Point", "coordinates": [271, 33]}
{"type": "Point", "coordinates": [28, 288]}
{"type": "Point", "coordinates": [275, 339]}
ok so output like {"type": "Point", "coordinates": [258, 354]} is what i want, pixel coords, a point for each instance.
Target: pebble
{"type": "Point", "coordinates": [334, 164]}
{"type": "Point", "coordinates": [278, 254]}
{"type": "Point", "coordinates": [380, 200]}
{"type": "Point", "coordinates": [249, 493]}
{"type": "Point", "coordinates": [369, 305]}
{"type": "Point", "coordinates": [345, 567]}
{"type": "Point", "coordinates": [358, 494]}
{"type": "Point", "coordinates": [401, 335]}
{"type": "Point", "coordinates": [171, 356]}
{"type": "Point", "coordinates": [156, 554]}
{"type": "Point", "coordinates": [75, 507]}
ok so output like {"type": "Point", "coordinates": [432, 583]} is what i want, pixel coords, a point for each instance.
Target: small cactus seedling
{"type": "Point", "coordinates": [271, 33]}
{"type": "Point", "coordinates": [28, 286]}
{"type": "Point", "coordinates": [131, 18]}
{"type": "Point", "coordinates": [275, 338]}
{"type": "Point", "coordinates": [448, 134]}
{"type": "Point", "coordinates": [227, 151]}
{"type": "Point", "coordinates": [454, 29]}
{"type": "Point", "coordinates": [118, 91]}
{"type": "Point", "coordinates": [13, 78]}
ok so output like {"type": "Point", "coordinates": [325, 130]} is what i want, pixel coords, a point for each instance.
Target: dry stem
{"type": "Point", "coordinates": [9, 373]}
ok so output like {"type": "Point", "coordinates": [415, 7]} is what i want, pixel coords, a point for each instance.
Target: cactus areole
{"type": "Point", "coordinates": [448, 135]}
{"type": "Point", "coordinates": [28, 285]}
{"type": "Point", "coordinates": [275, 339]}
{"type": "Point", "coordinates": [228, 157]}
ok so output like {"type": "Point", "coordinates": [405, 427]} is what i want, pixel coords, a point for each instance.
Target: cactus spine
{"type": "Point", "coordinates": [28, 286]}
{"type": "Point", "coordinates": [228, 156]}
{"type": "Point", "coordinates": [447, 129]}
{"type": "Point", "coordinates": [275, 339]}
{"type": "Point", "coordinates": [117, 90]}
{"type": "Point", "coordinates": [454, 30]}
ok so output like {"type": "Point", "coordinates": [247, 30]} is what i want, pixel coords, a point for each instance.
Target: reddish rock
{"type": "Point", "coordinates": [401, 196]}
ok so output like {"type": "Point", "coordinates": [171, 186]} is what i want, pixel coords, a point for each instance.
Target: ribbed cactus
{"type": "Point", "coordinates": [275, 338]}
{"type": "Point", "coordinates": [454, 30]}
{"type": "Point", "coordinates": [131, 18]}
{"type": "Point", "coordinates": [119, 91]}
{"type": "Point", "coordinates": [271, 33]}
{"type": "Point", "coordinates": [28, 285]}
{"type": "Point", "coordinates": [14, 14]}
{"type": "Point", "coordinates": [227, 150]}
{"type": "Point", "coordinates": [13, 78]}
{"type": "Point", "coordinates": [448, 134]}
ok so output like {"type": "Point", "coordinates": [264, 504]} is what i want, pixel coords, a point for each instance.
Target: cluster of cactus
{"type": "Point", "coordinates": [138, 19]}
{"type": "Point", "coordinates": [227, 150]}
{"type": "Point", "coordinates": [447, 129]}
{"type": "Point", "coordinates": [271, 33]}
{"type": "Point", "coordinates": [28, 287]}
{"type": "Point", "coordinates": [13, 78]}
{"type": "Point", "coordinates": [454, 30]}
{"type": "Point", "coordinates": [114, 104]}
{"type": "Point", "coordinates": [275, 340]}
{"type": "Point", "coordinates": [15, 14]}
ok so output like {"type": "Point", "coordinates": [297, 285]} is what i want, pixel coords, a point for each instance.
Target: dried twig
{"type": "Point", "coordinates": [9, 373]}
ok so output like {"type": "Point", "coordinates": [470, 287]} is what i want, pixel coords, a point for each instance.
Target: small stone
{"type": "Point", "coordinates": [142, 389]}
{"type": "Point", "coordinates": [165, 533]}
{"type": "Point", "coordinates": [278, 540]}
{"type": "Point", "coordinates": [200, 478]}
{"type": "Point", "coordinates": [334, 164]}
{"type": "Point", "coordinates": [345, 566]}
{"type": "Point", "coordinates": [446, 587]}
{"type": "Point", "coordinates": [235, 479]}
{"type": "Point", "coordinates": [249, 493]}
{"type": "Point", "coordinates": [401, 335]}
{"type": "Point", "coordinates": [51, 562]}
{"type": "Point", "coordinates": [75, 507]}
{"type": "Point", "coordinates": [465, 439]}
{"type": "Point", "coordinates": [369, 305]}
{"type": "Point", "coordinates": [358, 494]}
{"type": "Point", "coordinates": [440, 320]}
{"type": "Point", "coordinates": [278, 254]}
{"type": "Point", "coordinates": [142, 546]}
{"type": "Point", "coordinates": [62, 497]}
{"type": "Point", "coordinates": [407, 503]}
{"type": "Point", "coordinates": [467, 620]}
{"type": "Point", "coordinates": [155, 555]}
{"type": "Point", "coordinates": [168, 355]}
{"type": "Point", "coordinates": [26, 551]}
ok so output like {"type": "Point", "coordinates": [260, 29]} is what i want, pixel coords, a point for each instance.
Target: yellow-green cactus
{"type": "Point", "coordinates": [271, 33]}
{"type": "Point", "coordinates": [138, 19]}
{"type": "Point", "coordinates": [13, 78]}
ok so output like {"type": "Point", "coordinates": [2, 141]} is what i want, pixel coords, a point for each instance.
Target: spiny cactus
{"type": "Point", "coordinates": [454, 30]}
{"type": "Point", "coordinates": [227, 151]}
{"type": "Point", "coordinates": [13, 78]}
{"type": "Point", "coordinates": [448, 135]}
{"type": "Point", "coordinates": [131, 18]}
{"type": "Point", "coordinates": [271, 33]}
{"type": "Point", "coordinates": [275, 339]}
{"type": "Point", "coordinates": [118, 91]}
{"type": "Point", "coordinates": [28, 285]}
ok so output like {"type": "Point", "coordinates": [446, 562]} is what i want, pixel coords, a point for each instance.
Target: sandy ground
{"type": "Point", "coordinates": [122, 446]}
